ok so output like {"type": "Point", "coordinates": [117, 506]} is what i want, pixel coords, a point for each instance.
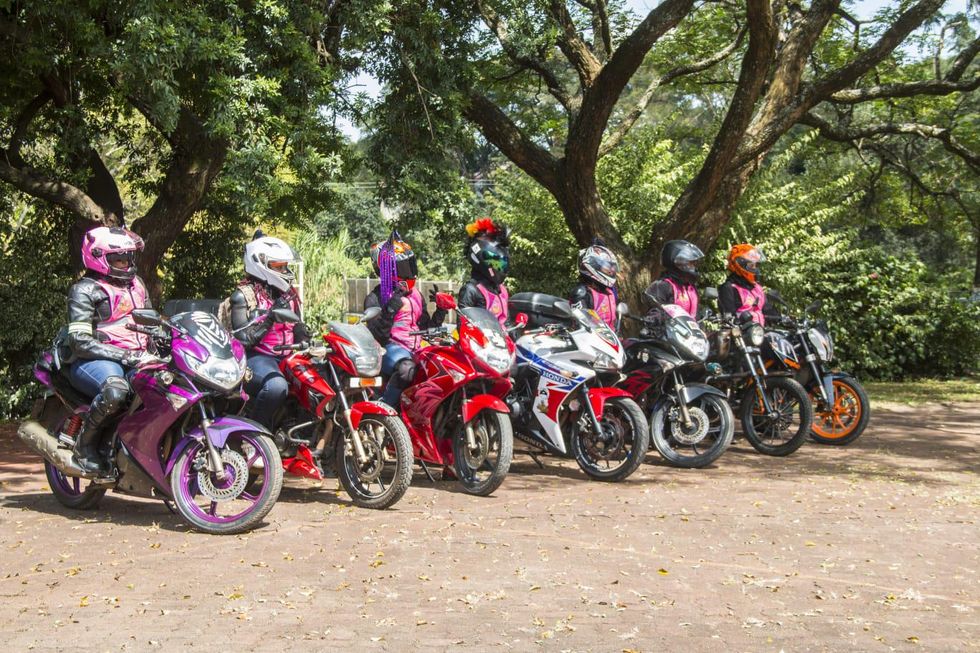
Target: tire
{"type": "Point", "coordinates": [712, 443]}
{"type": "Point", "coordinates": [477, 471]}
{"type": "Point", "coordinates": [792, 427]}
{"type": "Point", "coordinates": [389, 468]}
{"type": "Point", "coordinates": [242, 448]}
{"type": "Point", "coordinates": [629, 435]}
{"type": "Point", "coordinates": [69, 492]}
{"type": "Point", "coordinates": [846, 421]}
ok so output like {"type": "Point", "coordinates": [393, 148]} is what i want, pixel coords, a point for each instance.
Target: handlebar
{"type": "Point", "coordinates": [149, 331]}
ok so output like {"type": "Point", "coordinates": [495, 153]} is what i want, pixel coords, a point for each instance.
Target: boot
{"type": "Point", "coordinates": [86, 452]}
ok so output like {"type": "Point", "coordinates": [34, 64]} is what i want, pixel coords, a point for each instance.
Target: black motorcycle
{"type": "Point", "coordinates": [691, 423]}
{"type": "Point", "coordinates": [774, 409]}
{"type": "Point", "coordinates": [840, 404]}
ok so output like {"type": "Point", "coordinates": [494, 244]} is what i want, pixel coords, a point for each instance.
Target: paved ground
{"type": "Point", "coordinates": [871, 548]}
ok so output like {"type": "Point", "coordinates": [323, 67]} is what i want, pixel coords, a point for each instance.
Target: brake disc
{"type": "Point", "coordinates": [235, 481]}
{"type": "Point", "coordinates": [699, 426]}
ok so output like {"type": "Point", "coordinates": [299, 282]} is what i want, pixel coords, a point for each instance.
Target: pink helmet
{"type": "Point", "coordinates": [104, 247]}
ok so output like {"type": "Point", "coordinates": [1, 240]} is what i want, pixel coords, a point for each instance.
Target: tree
{"type": "Point", "coordinates": [110, 110]}
{"type": "Point", "coordinates": [547, 84]}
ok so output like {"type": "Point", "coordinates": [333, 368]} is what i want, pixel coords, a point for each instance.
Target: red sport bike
{"type": "Point", "coordinates": [454, 408]}
{"type": "Point", "coordinates": [328, 403]}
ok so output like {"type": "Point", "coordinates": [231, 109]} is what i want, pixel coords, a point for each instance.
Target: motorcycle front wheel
{"type": "Point", "coordinates": [619, 450]}
{"type": "Point", "coordinates": [700, 444]}
{"type": "Point", "coordinates": [233, 504]}
{"type": "Point", "coordinates": [481, 468]}
{"type": "Point", "coordinates": [786, 429]}
{"type": "Point", "coordinates": [844, 421]}
{"type": "Point", "coordinates": [382, 477]}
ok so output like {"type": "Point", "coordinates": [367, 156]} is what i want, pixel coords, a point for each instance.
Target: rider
{"type": "Point", "coordinates": [742, 291]}
{"type": "Point", "coordinates": [488, 252]}
{"type": "Point", "coordinates": [268, 284]}
{"type": "Point", "coordinates": [597, 270]}
{"type": "Point", "coordinates": [100, 307]}
{"type": "Point", "coordinates": [403, 310]}
{"type": "Point", "coordinates": [680, 260]}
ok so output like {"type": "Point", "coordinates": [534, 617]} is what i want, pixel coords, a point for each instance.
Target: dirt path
{"type": "Point", "coordinates": [869, 548]}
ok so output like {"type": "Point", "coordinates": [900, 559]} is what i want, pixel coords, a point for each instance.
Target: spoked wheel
{"type": "Point", "coordinates": [381, 477]}
{"type": "Point", "coordinates": [237, 502]}
{"type": "Point", "coordinates": [615, 453]}
{"type": "Point", "coordinates": [72, 492]}
{"type": "Point", "coordinates": [703, 441]}
{"type": "Point", "coordinates": [481, 468]}
{"type": "Point", "coordinates": [783, 431]}
{"type": "Point", "coordinates": [844, 421]}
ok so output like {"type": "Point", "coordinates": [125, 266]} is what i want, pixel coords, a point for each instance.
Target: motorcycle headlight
{"type": "Point", "coordinates": [499, 359]}
{"type": "Point", "coordinates": [692, 342]}
{"type": "Point", "coordinates": [606, 363]}
{"type": "Point", "coordinates": [221, 373]}
{"type": "Point", "coordinates": [822, 345]}
{"type": "Point", "coordinates": [755, 335]}
{"type": "Point", "coordinates": [367, 363]}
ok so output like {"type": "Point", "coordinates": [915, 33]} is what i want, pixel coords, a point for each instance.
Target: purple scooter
{"type": "Point", "coordinates": [222, 473]}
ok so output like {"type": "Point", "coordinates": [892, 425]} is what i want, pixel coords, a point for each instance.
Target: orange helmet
{"type": "Point", "coordinates": [744, 259]}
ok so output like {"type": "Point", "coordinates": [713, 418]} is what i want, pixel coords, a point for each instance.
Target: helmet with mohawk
{"type": "Point", "coordinates": [394, 262]}
{"type": "Point", "coordinates": [487, 250]}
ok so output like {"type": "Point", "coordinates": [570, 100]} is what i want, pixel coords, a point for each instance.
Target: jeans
{"type": "Point", "coordinates": [267, 389]}
{"type": "Point", "coordinates": [394, 353]}
{"type": "Point", "coordinates": [87, 376]}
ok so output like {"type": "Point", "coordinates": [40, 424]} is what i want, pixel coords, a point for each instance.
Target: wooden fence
{"type": "Point", "coordinates": [358, 290]}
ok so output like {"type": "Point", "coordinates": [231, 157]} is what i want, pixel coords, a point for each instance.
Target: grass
{"type": "Point", "coordinates": [925, 391]}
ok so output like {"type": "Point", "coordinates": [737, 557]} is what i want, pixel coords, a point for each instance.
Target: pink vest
{"type": "Point", "coordinates": [280, 333]}
{"type": "Point", "coordinates": [604, 303]}
{"type": "Point", "coordinates": [123, 301]}
{"type": "Point", "coordinates": [685, 296]}
{"type": "Point", "coordinates": [752, 301]}
{"type": "Point", "coordinates": [496, 303]}
{"type": "Point", "coordinates": [407, 320]}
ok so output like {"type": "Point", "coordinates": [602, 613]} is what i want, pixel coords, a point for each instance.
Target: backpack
{"type": "Point", "coordinates": [224, 309]}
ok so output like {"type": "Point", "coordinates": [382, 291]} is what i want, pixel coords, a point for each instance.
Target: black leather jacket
{"type": "Point", "coordinates": [242, 314]}
{"type": "Point", "coordinates": [88, 306]}
{"type": "Point", "coordinates": [470, 295]}
{"type": "Point", "coordinates": [580, 294]}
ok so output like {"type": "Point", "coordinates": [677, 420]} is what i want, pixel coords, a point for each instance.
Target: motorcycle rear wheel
{"type": "Point", "coordinates": [785, 432]}
{"type": "Point", "coordinates": [69, 490]}
{"type": "Point", "coordinates": [481, 470]}
{"type": "Point", "coordinates": [383, 479]}
{"type": "Point", "coordinates": [845, 421]}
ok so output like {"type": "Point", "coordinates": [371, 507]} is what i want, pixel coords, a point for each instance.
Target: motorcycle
{"type": "Point", "coordinates": [774, 409]}
{"type": "Point", "coordinates": [454, 407]}
{"type": "Point", "coordinates": [564, 400]}
{"type": "Point", "coordinates": [691, 424]}
{"type": "Point", "coordinates": [840, 403]}
{"type": "Point", "coordinates": [328, 391]}
{"type": "Point", "coordinates": [221, 473]}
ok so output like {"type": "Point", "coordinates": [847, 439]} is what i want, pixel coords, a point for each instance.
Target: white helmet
{"type": "Point", "coordinates": [268, 259]}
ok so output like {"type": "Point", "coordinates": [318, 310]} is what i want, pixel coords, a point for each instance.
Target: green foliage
{"type": "Point", "coordinates": [326, 263]}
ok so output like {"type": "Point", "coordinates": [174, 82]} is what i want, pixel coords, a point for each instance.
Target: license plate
{"type": "Point", "coordinates": [366, 382]}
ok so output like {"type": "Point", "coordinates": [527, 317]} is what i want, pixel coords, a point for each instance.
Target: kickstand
{"type": "Point", "coordinates": [426, 470]}
{"type": "Point", "coordinates": [534, 457]}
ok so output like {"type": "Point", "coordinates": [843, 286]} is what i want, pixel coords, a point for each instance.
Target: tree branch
{"type": "Point", "coordinates": [907, 89]}
{"type": "Point", "coordinates": [963, 60]}
{"type": "Point", "coordinates": [600, 26]}
{"type": "Point", "coordinates": [844, 134]}
{"type": "Point", "coordinates": [572, 46]}
{"type": "Point", "coordinates": [56, 192]}
{"type": "Point", "coordinates": [511, 141]}
{"type": "Point", "coordinates": [626, 124]}
{"type": "Point", "coordinates": [499, 27]}
{"type": "Point", "coordinates": [21, 125]}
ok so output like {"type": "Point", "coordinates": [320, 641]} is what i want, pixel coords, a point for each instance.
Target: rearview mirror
{"type": "Point", "coordinates": [521, 319]}
{"type": "Point", "coordinates": [284, 315]}
{"type": "Point", "coordinates": [777, 297]}
{"type": "Point", "coordinates": [815, 306]}
{"type": "Point", "coordinates": [147, 317]}
{"type": "Point", "coordinates": [711, 293]}
{"type": "Point", "coordinates": [623, 309]}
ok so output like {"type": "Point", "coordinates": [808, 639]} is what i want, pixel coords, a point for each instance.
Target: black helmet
{"type": "Point", "coordinates": [488, 250]}
{"type": "Point", "coordinates": [681, 259]}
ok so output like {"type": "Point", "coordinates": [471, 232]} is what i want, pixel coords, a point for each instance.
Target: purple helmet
{"type": "Point", "coordinates": [105, 249]}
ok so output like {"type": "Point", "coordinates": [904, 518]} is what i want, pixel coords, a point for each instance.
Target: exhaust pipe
{"type": "Point", "coordinates": [37, 438]}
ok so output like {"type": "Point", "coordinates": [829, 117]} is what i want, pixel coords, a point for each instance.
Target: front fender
{"type": "Point", "coordinates": [219, 431]}
{"type": "Point", "coordinates": [692, 391]}
{"type": "Point", "coordinates": [599, 396]}
{"type": "Point", "coordinates": [362, 408]}
{"type": "Point", "coordinates": [478, 403]}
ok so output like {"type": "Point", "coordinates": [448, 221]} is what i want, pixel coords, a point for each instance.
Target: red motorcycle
{"type": "Point", "coordinates": [328, 403]}
{"type": "Point", "coordinates": [454, 408]}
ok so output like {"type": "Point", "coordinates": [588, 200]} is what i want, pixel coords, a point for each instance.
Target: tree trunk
{"type": "Point", "coordinates": [976, 264]}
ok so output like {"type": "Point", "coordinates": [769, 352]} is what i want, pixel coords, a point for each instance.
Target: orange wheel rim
{"type": "Point", "coordinates": [842, 418]}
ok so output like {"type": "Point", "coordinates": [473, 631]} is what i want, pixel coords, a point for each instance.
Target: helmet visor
{"type": "Point", "coordinates": [121, 260]}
